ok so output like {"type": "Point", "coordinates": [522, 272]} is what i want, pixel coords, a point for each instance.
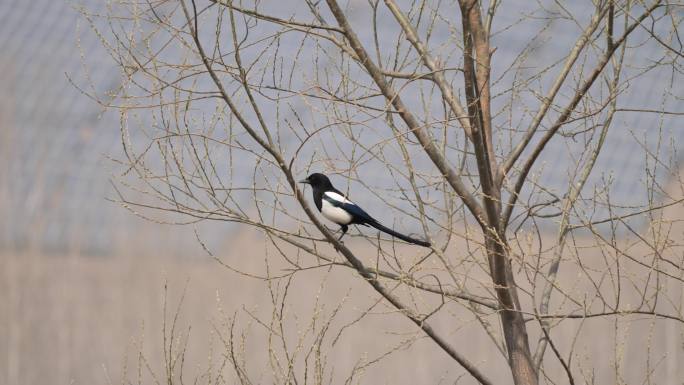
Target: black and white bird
{"type": "Point", "coordinates": [337, 208]}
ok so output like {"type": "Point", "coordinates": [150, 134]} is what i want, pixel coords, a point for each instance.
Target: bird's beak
{"type": "Point", "coordinates": [306, 181]}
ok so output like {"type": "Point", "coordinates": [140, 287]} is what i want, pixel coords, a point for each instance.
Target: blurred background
{"type": "Point", "coordinates": [82, 284]}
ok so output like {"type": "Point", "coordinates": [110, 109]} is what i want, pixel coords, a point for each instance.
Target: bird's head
{"type": "Point", "coordinates": [317, 180]}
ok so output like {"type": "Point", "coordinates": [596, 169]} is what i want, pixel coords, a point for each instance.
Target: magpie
{"type": "Point", "coordinates": [337, 208]}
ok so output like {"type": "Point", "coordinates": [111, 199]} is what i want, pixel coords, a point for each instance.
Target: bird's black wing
{"type": "Point", "coordinates": [336, 199]}
{"type": "Point", "coordinates": [357, 212]}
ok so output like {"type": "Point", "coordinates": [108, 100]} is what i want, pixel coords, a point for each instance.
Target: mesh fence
{"type": "Point", "coordinates": [55, 141]}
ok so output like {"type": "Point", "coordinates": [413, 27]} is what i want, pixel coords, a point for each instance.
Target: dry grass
{"type": "Point", "coordinates": [84, 320]}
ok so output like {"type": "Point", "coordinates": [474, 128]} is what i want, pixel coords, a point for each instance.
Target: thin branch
{"type": "Point", "coordinates": [415, 127]}
{"type": "Point", "coordinates": [567, 111]}
{"type": "Point", "coordinates": [287, 22]}
{"type": "Point", "coordinates": [555, 88]}
{"type": "Point", "coordinates": [429, 62]}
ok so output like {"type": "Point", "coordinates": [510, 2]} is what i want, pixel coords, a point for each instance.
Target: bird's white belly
{"type": "Point", "coordinates": [335, 214]}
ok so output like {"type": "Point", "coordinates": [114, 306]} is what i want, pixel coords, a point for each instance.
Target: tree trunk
{"type": "Point", "coordinates": [515, 332]}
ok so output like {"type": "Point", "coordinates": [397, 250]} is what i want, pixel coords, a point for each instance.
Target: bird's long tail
{"type": "Point", "coordinates": [399, 235]}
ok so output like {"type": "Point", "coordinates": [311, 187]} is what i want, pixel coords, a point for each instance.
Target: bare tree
{"type": "Point", "coordinates": [440, 112]}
